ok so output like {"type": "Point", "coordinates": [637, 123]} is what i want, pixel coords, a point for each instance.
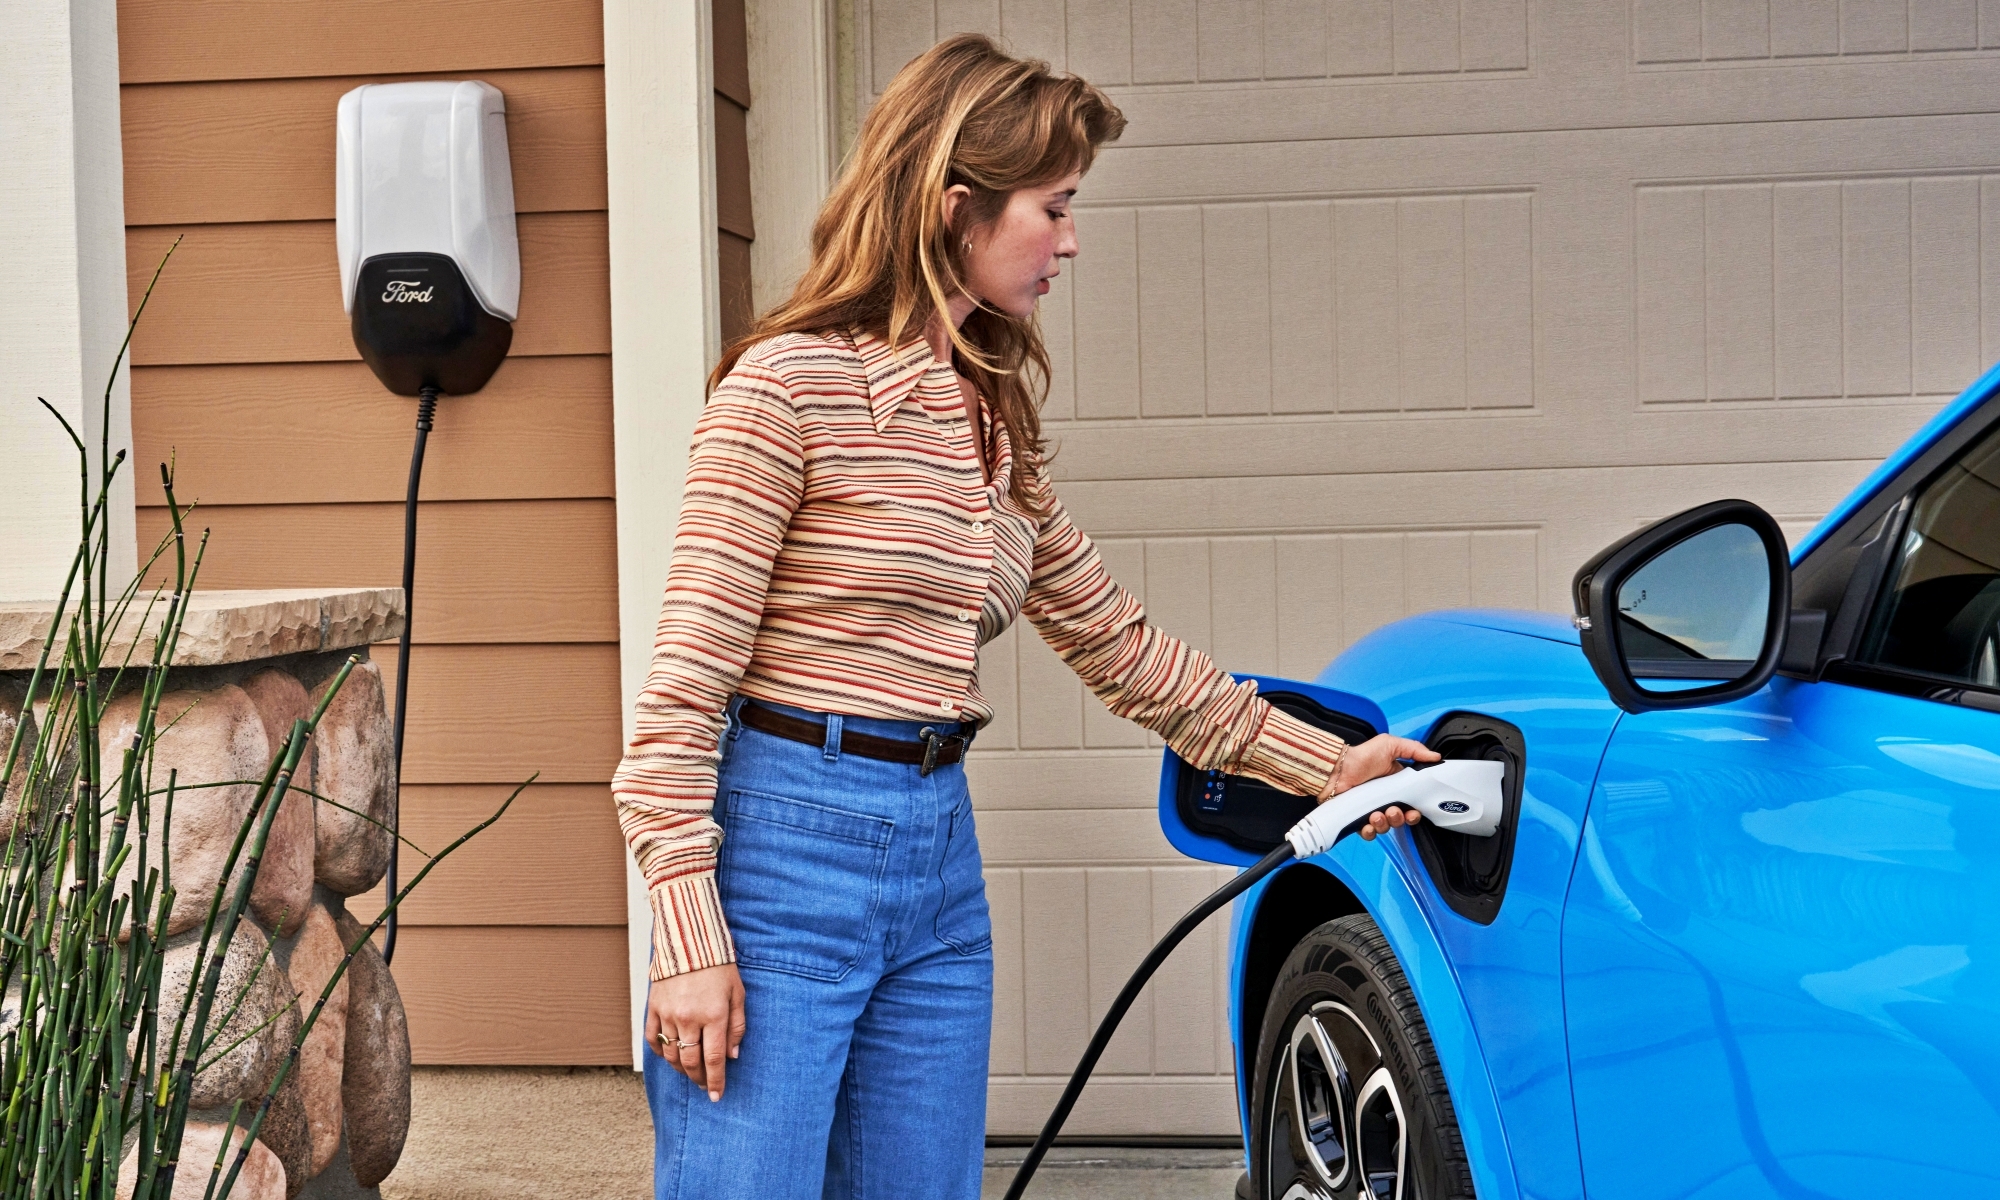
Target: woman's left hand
{"type": "Point", "coordinates": [1373, 759]}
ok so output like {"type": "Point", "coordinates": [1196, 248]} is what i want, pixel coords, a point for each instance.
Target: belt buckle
{"type": "Point", "coordinates": [933, 740]}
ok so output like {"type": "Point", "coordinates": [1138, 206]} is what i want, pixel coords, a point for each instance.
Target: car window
{"type": "Point", "coordinates": [1941, 614]}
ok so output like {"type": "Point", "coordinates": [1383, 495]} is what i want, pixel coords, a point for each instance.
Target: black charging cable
{"type": "Point", "coordinates": [427, 399]}
{"type": "Point", "coordinates": [1133, 986]}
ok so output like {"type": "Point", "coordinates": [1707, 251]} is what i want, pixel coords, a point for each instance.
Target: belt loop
{"type": "Point", "coordinates": [732, 722]}
{"type": "Point", "coordinates": [831, 750]}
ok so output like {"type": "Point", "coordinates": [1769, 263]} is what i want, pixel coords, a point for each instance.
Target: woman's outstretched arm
{"type": "Point", "coordinates": [1151, 677]}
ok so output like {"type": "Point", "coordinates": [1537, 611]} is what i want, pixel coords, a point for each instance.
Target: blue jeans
{"type": "Point", "coordinates": [853, 890]}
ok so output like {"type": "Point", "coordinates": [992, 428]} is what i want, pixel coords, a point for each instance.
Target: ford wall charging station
{"type": "Point", "coordinates": [430, 274]}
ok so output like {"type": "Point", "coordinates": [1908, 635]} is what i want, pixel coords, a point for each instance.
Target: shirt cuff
{"type": "Point", "coordinates": [689, 933]}
{"type": "Point", "coordinates": [1293, 756]}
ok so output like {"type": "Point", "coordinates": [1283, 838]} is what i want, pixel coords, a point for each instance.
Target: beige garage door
{"type": "Point", "coordinates": [1387, 305]}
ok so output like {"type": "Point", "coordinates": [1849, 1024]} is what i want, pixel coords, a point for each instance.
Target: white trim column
{"type": "Point", "coordinates": [62, 286]}
{"type": "Point", "coordinates": [659, 104]}
{"type": "Point", "coordinates": [793, 137]}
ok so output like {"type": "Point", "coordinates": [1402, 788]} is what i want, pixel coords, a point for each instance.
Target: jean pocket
{"type": "Point", "coordinates": [963, 921]}
{"type": "Point", "coordinates": [800, 882]}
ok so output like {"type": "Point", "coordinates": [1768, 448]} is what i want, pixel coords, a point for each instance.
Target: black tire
{"type": "Point", "coordinates": [1344, 1043]}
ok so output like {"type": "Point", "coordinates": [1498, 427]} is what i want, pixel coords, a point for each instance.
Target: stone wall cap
{"type": "Point", "coordinates": [226, 626]}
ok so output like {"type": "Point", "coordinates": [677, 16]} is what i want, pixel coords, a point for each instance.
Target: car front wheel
{"type": "Point", "coordinates": [1350, 1102]}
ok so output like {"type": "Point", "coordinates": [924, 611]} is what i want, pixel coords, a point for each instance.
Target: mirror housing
{"type": "Point", "coordinates": [1595, 594]}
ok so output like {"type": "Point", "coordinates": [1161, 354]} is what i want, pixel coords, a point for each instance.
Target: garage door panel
{"type": "Point", "coordinates": [1106, 315]}
{"type": "Point", "coordinates": [1806, 272]}
{"type": "Point", "coordinates": [1008, 1048]}
{"type": "Point", "coordinates": [1163, 46]}
{"type": "Point", "coordinates": [1229, 39]}
{"type": "Point", "coordinates": [1945, 283]}
{"type": "Point", "coordinates": [1118, 904]}
{"type": "Point", "coordinates": [1190, 1031]}
{"type": "Point", "coordinates": [1301, 316]}
{"type": "Point", "coordinates": [1499, 300]}
{"type": "Point", "coordinates": [1493, 35]}
{"type": "Point", "coordinates": [999, 679]}
{"type": "Point", "coordinates": [1237, 301]}
{"type": "Point", "coordinates": [1055, 967]}
{"type": "Point", "coordinates": [1362, 41]}
{"type": "Point", "coordinates": [1431, 302]}
{"type": "Point", "coordinates": [1172, 365]}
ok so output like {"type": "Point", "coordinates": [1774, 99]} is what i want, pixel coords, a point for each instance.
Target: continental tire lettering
{"type": "Point", "coordinates": [1394, 1044]}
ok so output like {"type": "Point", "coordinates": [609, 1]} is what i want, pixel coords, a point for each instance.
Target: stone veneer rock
{"type": "Point", "coordinates": [248, 664]}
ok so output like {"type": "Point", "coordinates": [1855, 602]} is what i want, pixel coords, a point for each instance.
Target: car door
{"type": "Point", "coordinates": [1782, 941]}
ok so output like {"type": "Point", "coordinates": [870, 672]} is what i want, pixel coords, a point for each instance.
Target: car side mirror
{"type": "Point", "coordinates": [1689, 611]}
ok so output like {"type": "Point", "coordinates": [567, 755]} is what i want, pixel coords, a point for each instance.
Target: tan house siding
{"type": "Point", "coordinates": [245, 372]}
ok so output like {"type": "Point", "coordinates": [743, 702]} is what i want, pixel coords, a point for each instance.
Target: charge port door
{"type": "Point", "coordinates": [1470, 873]}
{"type": "Point", "coordinates": [1223, 818]}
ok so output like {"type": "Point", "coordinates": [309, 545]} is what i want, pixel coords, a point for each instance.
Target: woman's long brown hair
{"type": "Point", "coordinates": [884, 259]}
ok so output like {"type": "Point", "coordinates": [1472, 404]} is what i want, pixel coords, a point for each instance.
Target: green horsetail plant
{"type": "Point", "coordinates": [90, 1081]}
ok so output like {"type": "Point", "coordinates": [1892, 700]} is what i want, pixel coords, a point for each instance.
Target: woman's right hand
{"type": "Point", "coordinates": [695, 1022]}
{"type": "Point", "coordinates": [1373, 759]}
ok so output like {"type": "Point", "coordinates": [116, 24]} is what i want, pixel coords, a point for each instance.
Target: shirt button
{"type": "Point", "coordinates": [979, 527]}
{"type": "Point", "coordinates": [945, 705]}
{"type": "Point", "coordinates": [963, 615]}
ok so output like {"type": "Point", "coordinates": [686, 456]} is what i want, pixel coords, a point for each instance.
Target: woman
{"type": "Point", "coordinates": [868, 503]}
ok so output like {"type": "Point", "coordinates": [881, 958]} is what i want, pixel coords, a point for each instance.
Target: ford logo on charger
{"type": "Point", "coordinates": [406, 291]}
{"type": "Point", "coordinates": [1455, 806]}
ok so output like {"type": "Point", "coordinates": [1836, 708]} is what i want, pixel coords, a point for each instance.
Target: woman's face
{"type": "Point", "coordinates": [1012, 259]}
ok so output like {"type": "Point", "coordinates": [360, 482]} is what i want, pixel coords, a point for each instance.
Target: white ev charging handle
{"type": "Point", "coordinates": [1459, 794]}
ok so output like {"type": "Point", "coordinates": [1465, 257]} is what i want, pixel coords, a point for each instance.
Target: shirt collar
{"type": "Point", "coordinates": [891, 374]}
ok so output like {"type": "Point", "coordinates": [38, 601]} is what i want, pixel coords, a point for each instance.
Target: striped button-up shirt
{"type": "Point", "coordinates": [841, 550]}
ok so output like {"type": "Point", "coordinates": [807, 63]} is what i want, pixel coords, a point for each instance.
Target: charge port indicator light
{"type": "Point", "coordinates": [1212, 792]}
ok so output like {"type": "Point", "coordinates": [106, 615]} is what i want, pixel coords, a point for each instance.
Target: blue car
{"type": "Point", "coordinates": [1739, 931]}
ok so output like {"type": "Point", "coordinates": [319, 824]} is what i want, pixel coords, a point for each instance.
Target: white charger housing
{"type": "Point", "coordinates": [422, 167]}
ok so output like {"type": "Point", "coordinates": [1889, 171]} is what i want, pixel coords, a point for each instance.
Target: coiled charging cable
{"type": "Point", "coordinates": [1457, 794]}
{"type": "Point", "coordinates": [427, 399]}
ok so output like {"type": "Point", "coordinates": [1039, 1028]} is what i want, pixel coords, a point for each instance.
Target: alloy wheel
{"type": "Point", "coordinates": [1337, 1128]}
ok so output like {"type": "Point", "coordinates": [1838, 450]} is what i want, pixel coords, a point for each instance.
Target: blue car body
{"type": "Point", "coordinates": [1751, 949]}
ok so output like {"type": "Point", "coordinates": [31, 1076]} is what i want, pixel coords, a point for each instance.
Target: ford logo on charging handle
{"type": "Point", "coordinates": [1454, 806]}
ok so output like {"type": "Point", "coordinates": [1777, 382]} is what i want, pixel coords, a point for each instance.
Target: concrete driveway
{"type": "Point", "coordinates": [1077, 1172]}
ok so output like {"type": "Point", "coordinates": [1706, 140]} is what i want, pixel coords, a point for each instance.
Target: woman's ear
{"type": "Point", "coordinates": [955, 197]}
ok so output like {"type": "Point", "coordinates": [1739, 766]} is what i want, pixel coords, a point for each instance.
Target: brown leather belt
{"type": "Point", "coordinates": [930, 751]}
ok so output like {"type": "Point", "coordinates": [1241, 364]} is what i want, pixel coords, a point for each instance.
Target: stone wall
{"type": "Point", "coordinates": [250, 664]}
